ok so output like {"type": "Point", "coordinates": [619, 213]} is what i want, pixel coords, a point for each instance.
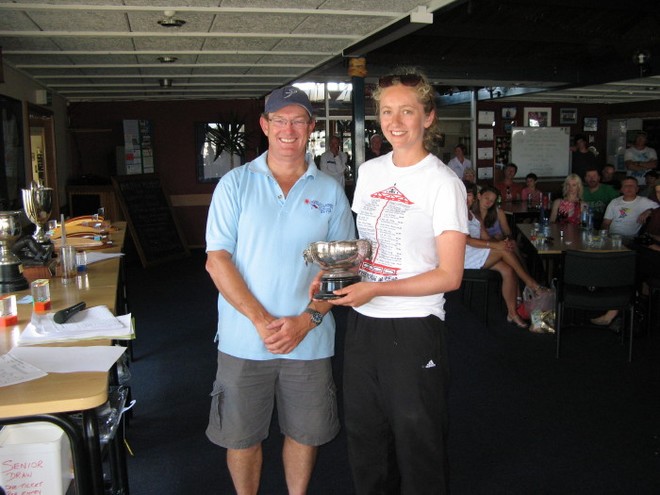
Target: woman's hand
{"type": "Point", "coordinates": [315, 286]}
{"type": "Point", "coordinates": [355, 295]}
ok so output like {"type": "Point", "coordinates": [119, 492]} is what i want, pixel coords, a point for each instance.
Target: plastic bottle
{"type": "Point", "coordinates": [529, 201]}
{"type": "Point", "coordinates": [590, 218]}
{"type": "Point", "coordinates": [543, 217]}
{"type": "Point", "coordinates": [584, 217]}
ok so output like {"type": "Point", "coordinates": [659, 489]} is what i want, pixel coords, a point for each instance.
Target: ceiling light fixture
{"type": "Point", "coordinates": [165, 82]}
{"type": "Point", "coordinates": [169, 20]}
{"type": "Point", "coordinates": [167, 60]}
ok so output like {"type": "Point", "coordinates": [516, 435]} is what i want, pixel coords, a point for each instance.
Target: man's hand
{"type": "Point", "coordinates": [286, 333]}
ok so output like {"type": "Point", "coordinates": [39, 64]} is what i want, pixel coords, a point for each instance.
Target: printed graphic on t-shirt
{"type": "Point", "coordinates": [381, 221]}
{"type": "Point", "coordinates": [624, 211]}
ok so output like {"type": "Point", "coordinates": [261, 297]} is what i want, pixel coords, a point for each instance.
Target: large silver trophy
{"type": "Point", "coordinates": [337, 258]}
{"type": "Point", "coordinates": [38, 204]}
{"type": "Point", "coordinates": [11, 268]}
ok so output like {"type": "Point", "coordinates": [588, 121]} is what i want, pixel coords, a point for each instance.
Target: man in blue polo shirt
{"type": "Point", "coordinates": [274, 344]}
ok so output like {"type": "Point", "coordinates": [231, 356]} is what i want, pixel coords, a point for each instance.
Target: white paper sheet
{"type": "Point", "coordinates": [93, 256]}
{"type": "Point", "coordinates": [69, 359]}
{"type": "Point", "coordinates": [94, 323]}
{"type": "Point", "coordinates": [14, 370]}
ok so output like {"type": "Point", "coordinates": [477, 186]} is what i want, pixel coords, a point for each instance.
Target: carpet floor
{"type": "Point", "coordinates": [521, 421]}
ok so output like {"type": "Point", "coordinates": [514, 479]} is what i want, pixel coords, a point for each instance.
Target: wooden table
{"type": "Point", "coordinates": [48, 398]}
{"type": "Point", "coordinates": [546, 250]}
{"type": "Point", "coordinates": [519, 211]}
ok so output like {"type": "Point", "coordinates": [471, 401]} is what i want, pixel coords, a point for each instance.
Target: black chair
{"type": "Point", "coordinates": [490, 281]}
{"type": "Point", "coordinates": [597, 281]}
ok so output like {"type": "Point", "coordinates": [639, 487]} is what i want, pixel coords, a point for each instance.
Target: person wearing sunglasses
{"type": "Point", "coordinates": [274, 344]}
{"type": "Point", "coordinates": [411, 206]}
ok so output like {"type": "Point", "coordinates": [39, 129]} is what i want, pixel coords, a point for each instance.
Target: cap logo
{"type": "Point", "coordinates": [289, 92]}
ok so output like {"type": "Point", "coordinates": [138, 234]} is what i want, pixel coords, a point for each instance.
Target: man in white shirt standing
{"type": "Point", "coordinates": [626, 214]}
{"type": "Point", "coordinates": [333, 162]}
{"type": "Point", "coordinates": [459, 163]}
{"type": "Point", "coordinates": [639, 158]}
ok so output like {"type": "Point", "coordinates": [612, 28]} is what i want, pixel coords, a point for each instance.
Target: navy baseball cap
{"type": "Point", "coordinates": [288, 95]}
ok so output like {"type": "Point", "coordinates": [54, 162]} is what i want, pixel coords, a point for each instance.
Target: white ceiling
{"type": "Point", "coordinates": [108, 50]}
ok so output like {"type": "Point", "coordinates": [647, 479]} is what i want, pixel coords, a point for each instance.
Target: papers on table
{"type": "Point", "coordinates": [93, 323]}
{"type": "Point", "coordinates": [70, 359]}
{"type": "Point", "coordinates": [23, 364]}
{"type": "Point", "coordinates": [14, 370]}
{"type": "Point", "coordinates": [93, 256]}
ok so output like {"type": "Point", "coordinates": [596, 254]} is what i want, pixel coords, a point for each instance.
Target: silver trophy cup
{"type": "Point", "coordinates": [11, 268]}
{"type": "Point", "coordinates": [38, 204]}
{"type": "Point", "coordinates": [337, 258]}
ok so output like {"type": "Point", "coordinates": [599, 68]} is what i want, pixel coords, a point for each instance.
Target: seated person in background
{"type": "Point", "coordinates": [508, 189]}
{"type": "Point", "coordinates": [375, 147]}
{"type": "Point", "coordinates": [494, 225]}
{"type": "Point", "coordinates": [597, 195]}
{"type": "Point", "coordinates": [494, 255]}
{"type": "Point", "coordinates": [649, 189]}
{"type": "Point", "coordinates": [459, 163]}
{"type": "Point", "coordinates": [629, 213]}
{"type": "Point", "coordinates": [653, 225]}
{"type": "Point", "coordinates": [568, 209]}
{"type": "Point", "coordinates": [582, 159]}
{"type": "Point", "coordinates": [608, 176]}
{"type": "Point", "coordinates": [626, 214]}
{"type": "Point", "coordinates": [530, 193]}
{"type": "Point", "coordinates": [470, 175]}
{"type": "Point", "coordinates": [639, 158]}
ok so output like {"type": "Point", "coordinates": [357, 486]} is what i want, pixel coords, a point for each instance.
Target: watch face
{"type": "Point", "coordinates": [316, 317]}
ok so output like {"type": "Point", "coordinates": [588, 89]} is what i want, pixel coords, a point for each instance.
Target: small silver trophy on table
{"type": "Point", "coordinates": [336, 258]}
{"type": "Point", "coordinates": [38, 204]}
{"type": "Point", "coordinates": [11, 268]}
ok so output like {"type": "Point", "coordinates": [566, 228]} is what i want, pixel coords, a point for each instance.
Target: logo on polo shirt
{"type": "Point", "coordinates": [321, 207]}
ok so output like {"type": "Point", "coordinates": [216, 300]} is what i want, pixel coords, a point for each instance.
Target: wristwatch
{"type": "Point", "coordinates": [315, 316]}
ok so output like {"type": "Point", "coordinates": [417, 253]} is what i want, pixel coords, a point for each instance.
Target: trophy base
{"type": "Point", "coordinates": [328, 285]}
{"type": "Point", "coordinates": [11, 278]}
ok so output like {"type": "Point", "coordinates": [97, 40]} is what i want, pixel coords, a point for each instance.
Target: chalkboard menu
{"type": "Point", "coordinates": [153, 227]}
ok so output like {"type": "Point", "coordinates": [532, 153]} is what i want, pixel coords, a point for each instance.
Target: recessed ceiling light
{"type": "Point", "coordinates": [167, 60]}
{"type": "Point", "coordinates": [169, 20]}
{"type": "Point", "coordinates": [165, 82]}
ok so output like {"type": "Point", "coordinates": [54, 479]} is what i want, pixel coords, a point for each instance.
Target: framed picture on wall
{"type": "Point", "coordinates": [509, 113]}
{"type": "Point", "coordinates": [538, 116]}
{"type": "Point", "coordinates": [568, 115]}
{"type": "Point", "coordinates": [590, 124]}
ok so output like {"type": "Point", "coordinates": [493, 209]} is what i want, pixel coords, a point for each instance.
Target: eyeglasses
{"type": "Point", "coordinates": [411, 80]}
{"type": "Point", "coordinates": [282, 123]}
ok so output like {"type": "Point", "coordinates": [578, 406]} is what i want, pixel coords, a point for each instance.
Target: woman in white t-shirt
{"type": "Point", "coordinates": [411, 206]}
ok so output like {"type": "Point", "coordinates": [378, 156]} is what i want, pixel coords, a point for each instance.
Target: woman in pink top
{"type": "Point", "coordinates": [569, 208]}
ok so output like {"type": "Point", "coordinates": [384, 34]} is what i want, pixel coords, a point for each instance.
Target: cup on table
{"type": "Point", "coordinates": [68, 264]}
{"type": "Point", "coordinates": [52, 226]}
{"type": "Point", "coordinates": [616, 241]}
{"type": "Point", "coordinates": [8, 311]}
{"type": "Point", "coordinates": [603, 233]}
{"type": "Point", "coordinates": [81, 262]}
{"type": "Point", "coordinates": [40, 295]}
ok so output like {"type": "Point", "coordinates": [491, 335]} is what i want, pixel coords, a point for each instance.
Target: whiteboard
{"type": "Point", "coordinates": [541, 150]}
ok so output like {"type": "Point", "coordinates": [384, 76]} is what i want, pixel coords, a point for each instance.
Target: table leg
{"type": "Point", "coordinates": [91, 436]}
